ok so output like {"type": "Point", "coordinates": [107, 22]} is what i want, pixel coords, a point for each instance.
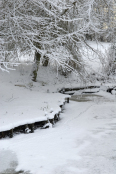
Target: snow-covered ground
{"type": "Point", "coordinates": [82, 142]}
{"type": "Point", "coordinates": [20, 105]}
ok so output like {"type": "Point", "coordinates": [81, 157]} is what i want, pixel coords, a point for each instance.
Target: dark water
{"type": "Point", "coordinates": [86, 98]}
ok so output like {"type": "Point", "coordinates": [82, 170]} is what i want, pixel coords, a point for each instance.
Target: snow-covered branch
{"type": "Point", "coordinates": [46, 24]}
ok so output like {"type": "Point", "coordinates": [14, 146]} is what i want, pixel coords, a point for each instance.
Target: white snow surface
{"type": "Point", "coordinates": [20, 105]}
{"type": "Point", "coordinates": [82, 142]}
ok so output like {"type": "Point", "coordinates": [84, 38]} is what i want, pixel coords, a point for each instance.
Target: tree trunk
{"type": "Point", "coordinates": [36, 66]}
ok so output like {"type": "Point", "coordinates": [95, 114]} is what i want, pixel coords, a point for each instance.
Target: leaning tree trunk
{"type": "Point", "coordinates": [36, 66]}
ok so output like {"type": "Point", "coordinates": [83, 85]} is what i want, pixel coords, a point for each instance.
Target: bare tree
{"type": "Point", "coordinates": [44, 25]}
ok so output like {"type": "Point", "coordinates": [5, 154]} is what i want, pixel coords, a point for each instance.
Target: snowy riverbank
{"type": "Point", "coordinates": [83, 141]}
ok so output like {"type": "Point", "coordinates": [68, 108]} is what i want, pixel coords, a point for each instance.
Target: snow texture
{"type": "Point", "coordinates": [82, 142]}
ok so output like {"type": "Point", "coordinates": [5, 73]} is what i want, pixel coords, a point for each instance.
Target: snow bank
{"type": "Point", "coordinates": [82, 142]}
{"type": "Point", "coordinates": [27, 107]}
{"type": "Point", "coordinates": [21, 105]}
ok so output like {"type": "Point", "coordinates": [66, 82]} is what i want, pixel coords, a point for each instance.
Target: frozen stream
{"type": "Point", "coordinates": [8, 159]}
{"type": "Point", "coordinates": [8, 163]}
{"type": "Point", "coordinates": [87, 97]}
{"type": "Point", "coordinates": [82, 142]}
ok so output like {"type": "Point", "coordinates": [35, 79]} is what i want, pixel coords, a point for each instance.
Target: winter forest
{"type": "Point", "coordinates": [57, 86]}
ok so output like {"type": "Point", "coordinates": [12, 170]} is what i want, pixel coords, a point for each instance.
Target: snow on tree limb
{"type": "Point", "coordinates": [46, 24]}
